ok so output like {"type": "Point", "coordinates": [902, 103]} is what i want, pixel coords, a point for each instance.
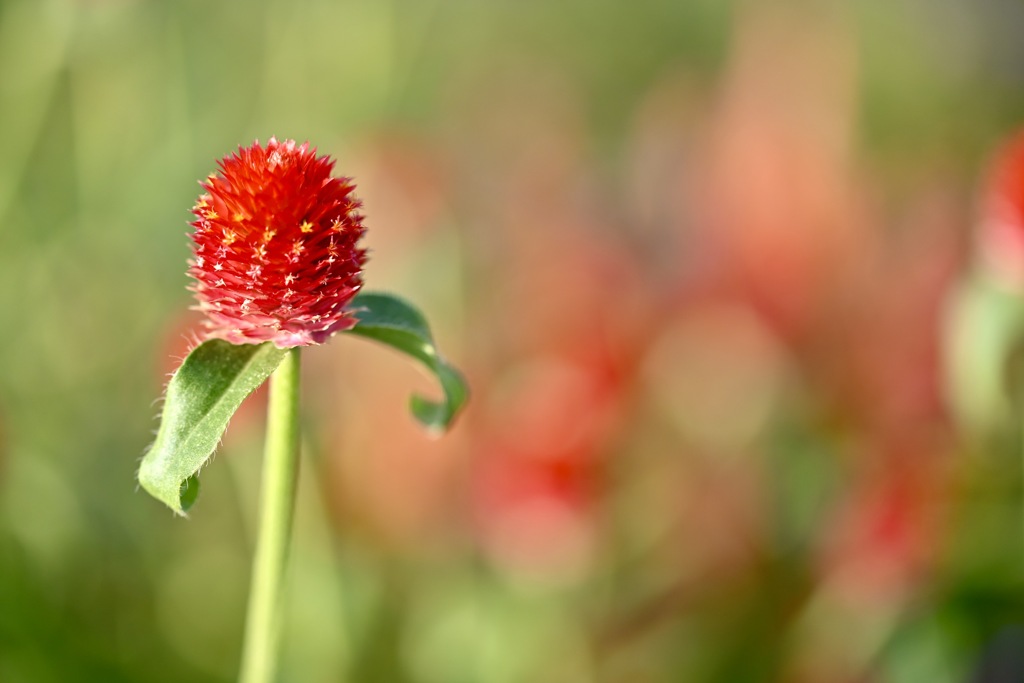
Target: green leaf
{"type": "Point", "coordinates": [395, 322]}
{"type": "Point", "coordinates": [201, 397]}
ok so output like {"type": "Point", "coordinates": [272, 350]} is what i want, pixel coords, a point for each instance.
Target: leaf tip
{"type": "Point", "coordinates": [154, 481]}
{"type": "Point", "coordinates": [187, 494]}
{"type": "Point", "coordinates": [436, 418]}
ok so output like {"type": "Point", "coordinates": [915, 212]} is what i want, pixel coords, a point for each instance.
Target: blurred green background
{"type": "Point", "coordinates": [706, 264]}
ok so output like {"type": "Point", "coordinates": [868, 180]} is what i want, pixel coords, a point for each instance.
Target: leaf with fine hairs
{"type": "Point", "coordinates": [201, 397]}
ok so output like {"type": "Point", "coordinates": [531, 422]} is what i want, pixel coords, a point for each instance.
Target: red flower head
{"type": "Point", "coordinates": [275, 254]}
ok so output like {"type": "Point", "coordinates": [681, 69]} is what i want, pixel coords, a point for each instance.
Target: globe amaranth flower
{"type": "Point", "coordinates": [275, 247]}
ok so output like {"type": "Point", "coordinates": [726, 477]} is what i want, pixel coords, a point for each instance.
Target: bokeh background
{"type": "Point", "coordinates": [743, 388]}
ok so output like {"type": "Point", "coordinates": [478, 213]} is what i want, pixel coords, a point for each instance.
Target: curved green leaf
{"type": "Point", "coordinates": [201, 397]}
{"type": "Point", "coordinates": [395, 322]}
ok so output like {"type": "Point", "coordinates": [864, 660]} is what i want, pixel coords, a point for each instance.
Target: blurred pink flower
{"type": "Point", "coordinates": [774, 200]}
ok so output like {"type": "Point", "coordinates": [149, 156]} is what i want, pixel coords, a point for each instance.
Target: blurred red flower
{"type": "Point", "coordinates": [1001, 234]}
{"type": "Point", "coordinates": [884, 536]}
{"type": "Point", "coordinates": [275, 254]}
{"type": "Point", "coordinates": [540, 462]}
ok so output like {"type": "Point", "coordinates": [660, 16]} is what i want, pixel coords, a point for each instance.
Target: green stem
{"type": "Point", "coordinates": [277, 502]}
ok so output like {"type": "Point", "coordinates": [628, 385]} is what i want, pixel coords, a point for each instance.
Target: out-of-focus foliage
{"type": "Point", "coordinates": [698, 261]}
